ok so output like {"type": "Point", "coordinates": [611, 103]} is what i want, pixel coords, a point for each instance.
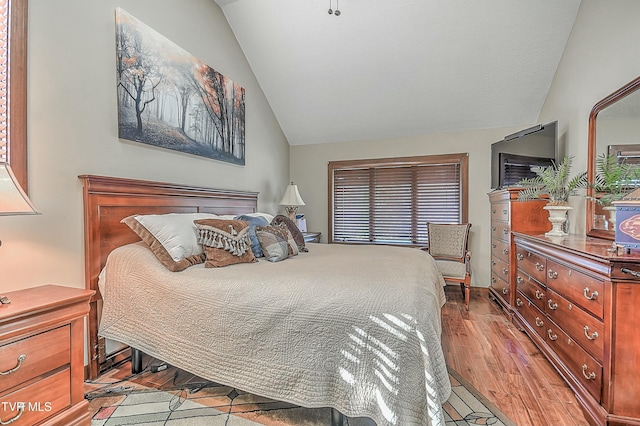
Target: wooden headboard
{"type": "Point", "coordinates": [107, 200]}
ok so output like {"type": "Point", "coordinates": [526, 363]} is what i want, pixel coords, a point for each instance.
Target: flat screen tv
{"type": "Point", "coordinates": [512, 157]}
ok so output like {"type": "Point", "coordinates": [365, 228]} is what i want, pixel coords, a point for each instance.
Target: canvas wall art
{"type": "Point", "coordinates": [171, 99]}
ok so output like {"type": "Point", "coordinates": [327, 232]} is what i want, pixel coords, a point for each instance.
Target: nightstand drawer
{"type": "Point", "coordinates": [42, 399]}
{"type": "Point", "coordinates": [42, 353]}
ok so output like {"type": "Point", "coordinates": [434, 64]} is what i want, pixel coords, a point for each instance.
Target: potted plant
{"type": "Point", "coordinates": [553, 182]}
{"type": "Point", "coordinates": [613, 181]}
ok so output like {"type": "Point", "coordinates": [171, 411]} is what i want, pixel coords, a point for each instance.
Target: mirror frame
{"type": "Point", "coordinates": [591, 156]}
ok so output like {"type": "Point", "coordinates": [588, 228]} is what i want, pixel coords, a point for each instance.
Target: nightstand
{"type": "Point", "coordinates": [312, 237]}
{"type": "Point", "coordinates": [42, 356]}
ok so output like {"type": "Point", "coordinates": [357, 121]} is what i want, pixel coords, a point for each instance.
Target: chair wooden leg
{"type": "Point", "coordinates": [467, 296]}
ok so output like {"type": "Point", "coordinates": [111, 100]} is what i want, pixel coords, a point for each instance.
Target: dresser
{"type": "Point", "coordinates": [579, 303]}
{"type": "Point", "coordinates": [507, 215]}
{"type": "Point", "coordinates": [42, 356]}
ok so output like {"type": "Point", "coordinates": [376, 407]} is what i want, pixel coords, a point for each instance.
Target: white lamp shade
{"type": "Point", "coordinates": [13, 200]}
{"type": "Point", "coordinates": [292, 197]}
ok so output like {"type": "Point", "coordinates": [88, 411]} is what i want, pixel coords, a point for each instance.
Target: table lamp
{"type": "Point", "coordinates": [13, 200]}
{"type": "Point", "coordinates": [291, 201]}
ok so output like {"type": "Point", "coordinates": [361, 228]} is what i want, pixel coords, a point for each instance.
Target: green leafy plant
{"type": "Point", "coordinates": [552, 181]}
{"type": "Point", "coordinates": [613, 180]}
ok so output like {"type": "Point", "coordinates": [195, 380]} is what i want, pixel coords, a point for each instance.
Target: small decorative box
{"type": "Point", "coordinates": [627, 220]}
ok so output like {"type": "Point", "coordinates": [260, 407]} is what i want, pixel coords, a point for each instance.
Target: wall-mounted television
{"type": "Point", "coordinates": [512, 157]}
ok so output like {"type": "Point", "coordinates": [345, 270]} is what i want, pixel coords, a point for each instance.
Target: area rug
{"type": "Point", "coordinates": [194, 404]}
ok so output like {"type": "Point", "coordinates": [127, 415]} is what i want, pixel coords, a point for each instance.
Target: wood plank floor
{"type": "Point", "coordinates": [499, 360]}
{"type": "Point", "coordinates": [484, 347]}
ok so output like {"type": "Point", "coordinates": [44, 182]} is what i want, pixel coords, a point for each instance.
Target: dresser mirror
{"type": "Point", "coordinates": [614, 129]}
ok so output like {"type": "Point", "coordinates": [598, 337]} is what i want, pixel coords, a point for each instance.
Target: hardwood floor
{"type": "Point", "coordinates": [499, 360]}
{"type": "Point", "coordinates": [483, 347]}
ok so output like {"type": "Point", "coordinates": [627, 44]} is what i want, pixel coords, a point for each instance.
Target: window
{"type": "Point", "coordinates": [13, 87]}
{"type": "Point", "coordinates": [389, 201]}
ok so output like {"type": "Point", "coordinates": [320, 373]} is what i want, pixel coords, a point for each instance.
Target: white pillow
{"type": "Point", "coordinates": [268, 217]}
{"type": "Point", "coordinates": [176, 232]}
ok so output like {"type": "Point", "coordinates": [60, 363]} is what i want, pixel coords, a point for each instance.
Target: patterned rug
{"type": "Point", "coordinates": [126, 403]}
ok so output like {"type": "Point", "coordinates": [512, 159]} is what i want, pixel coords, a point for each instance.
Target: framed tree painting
{"type": "Point", "coordinates": [170, 99]}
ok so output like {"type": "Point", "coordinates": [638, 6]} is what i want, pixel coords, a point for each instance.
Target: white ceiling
{"type": "Point", "coordinates": [396, 68]}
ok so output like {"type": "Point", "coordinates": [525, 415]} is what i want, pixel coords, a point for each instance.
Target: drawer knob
{"type": "Point", "coordinates": [592, 296]}
{"type": "Point", "coordinates": [21, 407]}
{"type": "Point", "coordinates": [593, 336]}
{"type": "Point", "coordinates": [21, 359]}
{"type": "Point", "coordinates": [504, 290]}
{"type": "Point", "coordinates": [551, 335]}
{"type": "Point", "coordinates": [590, 376]}
{"type": "Point", "coordinates": [505, 271]}
{"type": "Point", "coordinates": [519, 256]}
{"type": "Point", "coordinates": [505, 231]}
{"type": "Point", "coordinates": [505, 251]}
{"type": "Point", "coordinates": [519, 279]}
{"type": "Point", "coordinates": [552, 274]}
{"type": "Point", "coordinates": [539, 322]}
{"type": "Point", "coordinates": [539, 266]}
{"type": "Point", "coordinates": [519, 302]}
{"type": "Point", "coordinates": [552, 306]}
{"type": "Point", "coordinates": [539, 295]}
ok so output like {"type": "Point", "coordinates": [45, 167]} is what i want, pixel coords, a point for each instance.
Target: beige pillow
{"type": "Point", "coordinates": [226, 242]}
{"type": "Point", "coordinates": [166, 234]}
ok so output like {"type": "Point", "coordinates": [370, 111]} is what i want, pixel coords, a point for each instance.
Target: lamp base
{"type": "Point", "coordinates": [291, 212]}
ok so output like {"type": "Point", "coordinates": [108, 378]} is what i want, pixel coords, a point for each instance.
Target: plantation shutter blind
{"type": "Point", "coordinates": [391, 204]}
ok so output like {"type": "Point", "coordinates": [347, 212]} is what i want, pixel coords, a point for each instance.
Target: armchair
{"type": "Point", "coordinates": [449, 246]}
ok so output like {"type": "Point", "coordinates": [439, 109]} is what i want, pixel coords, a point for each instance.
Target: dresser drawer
{"type": "Point", "coordinates": [577, 287]}
{"type": "Point", "coordinates": [34, 356]}
{"type": "Point", "coordinates": [577, 323]}
{"type": "Point", "coordinates": [531, 314]}
{"type": "Point", "coordinates": [42, 399]}
{"type": "Point", "coordinates": [532, 264]}
{"type": "Point", "coordinates": [500, 211]}
{"type": "Point", "coordinates": [532, 289]}
{"type": "Point", "coordinates": [500, 249]}
{"type": "Point", "coordinates": [500, 285]}
{"type": "Point", "coordinates": [581, 365]}
{"type": "Point", "coordinates": [500, 268]}
{"type": "Point", "coordinates": [500, 231]}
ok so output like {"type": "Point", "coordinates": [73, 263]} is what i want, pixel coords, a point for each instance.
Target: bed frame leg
{"type": "Point", "coordinates": [337, 418]}
{"type": "Point", "coordinates": [136, 361]}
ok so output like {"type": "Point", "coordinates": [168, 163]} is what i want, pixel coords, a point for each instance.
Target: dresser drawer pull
{"type": "Point", "coordinates": [590, 376]}
{"type": "Point", "coordinates": [552, 274]}
{"type": "Point", "coordinates": [539, 322]}
{"type": "Point", "coordinates": [505, 211]}
{"type": "Point", "coordinates": [493, 280]}
{"type": "Point", "coordinates": [552, 306]}
{"type": "Point", "coordinates": [519, 256]}
{"type": "Point", "coordinates": [551, 335]}
{"type": "Point", "coordinates": [592, 296]}
{"type": "Point", "coordinates": [630, 272]}
{"type": "Point", "coordinates": [593, 336]}
{"type": "Point", "coordinates": [505, 231]}
{"type": "Point", "coordinates": [505, 251]}
{"type": "Point", "coordinates": [539, 295]}
{"type": "Point", "coordinates": [493, 228]}
{"type": "Point", "coordinates": [519, 302]}
{"type": "Point", "coordinates": [504, 290]}
{"type": "Point", "coordinates": [494, 245]}
{"type": "Point", "coordinates": [505, 271]}
{"type": "Point", "coordinates": [519, 279]}
{"type": "Point", "coordinates": [21, 407]}
{"type": "Point", "coordinates": [539, 266]}
{"type": "Point", "coordinates": [21, 359]}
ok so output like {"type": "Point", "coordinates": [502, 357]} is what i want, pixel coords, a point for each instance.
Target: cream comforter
{"type": "Point", "coordinates": [354, 328]}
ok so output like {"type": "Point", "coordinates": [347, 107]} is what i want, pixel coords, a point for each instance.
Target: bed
{"type": "Point", "coordinates": [349, 327]}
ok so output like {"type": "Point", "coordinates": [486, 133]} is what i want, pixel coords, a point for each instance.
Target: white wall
{"type": "Point", "coordinates": [309, 172]}
{"type": "Point", "coordinates": [602, 55]}
{"type": "Point", "coordinates": [72, 127]}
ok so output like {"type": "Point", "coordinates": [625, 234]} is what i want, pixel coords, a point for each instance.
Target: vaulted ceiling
{"type": "Point", "coordinates": [397, 68]}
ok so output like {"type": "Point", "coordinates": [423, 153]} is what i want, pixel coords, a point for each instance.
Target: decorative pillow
{"type": "Point", "coordinates": [226, 242]}
{"type": "Point", "coordinates": [253, 222]}
{"type": "Point", "coordinates": [293, 228]}
{"type": "Point", "coordinates": [171, 237]}
{"type": "Point", "coordinates": [276, 242]}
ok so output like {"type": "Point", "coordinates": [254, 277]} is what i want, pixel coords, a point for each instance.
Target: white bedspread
{"type": "Point", "coordinates": [356, 328]}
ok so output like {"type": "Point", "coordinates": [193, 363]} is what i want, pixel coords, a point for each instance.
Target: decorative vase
{"type": "Point", "coordinates": [557, 217]}
{"type": "Point", "coordinates": [612, 216]}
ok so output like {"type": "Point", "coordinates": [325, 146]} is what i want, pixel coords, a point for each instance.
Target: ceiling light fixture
{"type": "Point", "coordinates": [337, 11]}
